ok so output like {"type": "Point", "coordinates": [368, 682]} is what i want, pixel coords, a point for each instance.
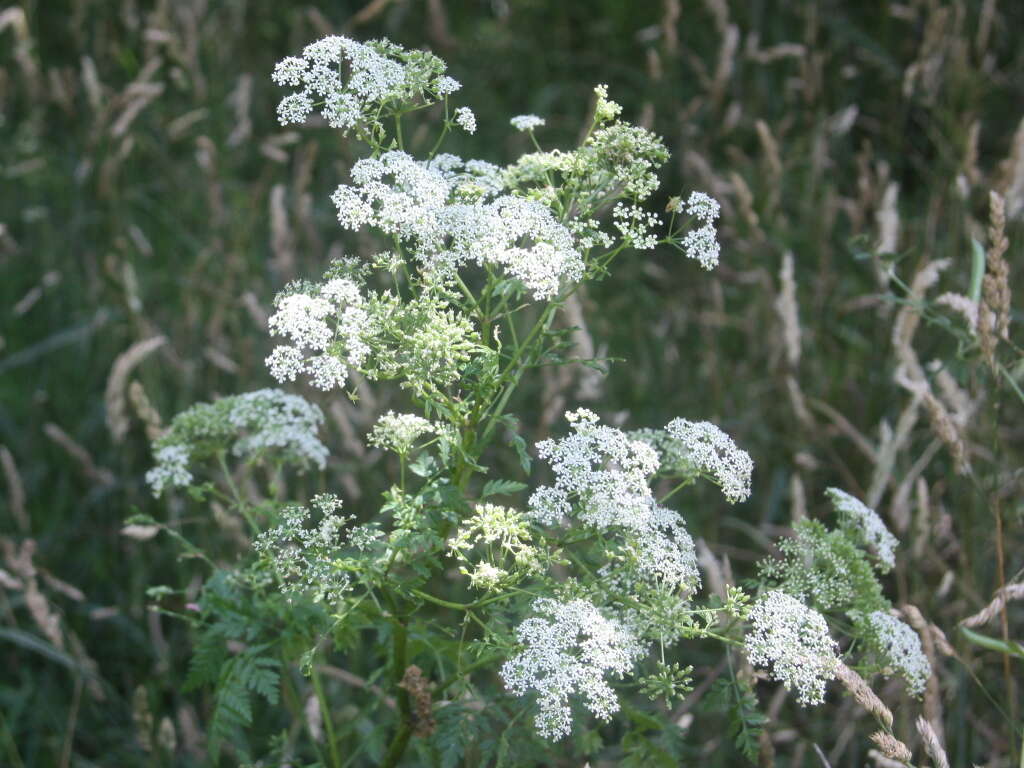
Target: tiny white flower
{"type": "Point", "coordinates": [527, 122]}
{"type": "Point", "coordinates": [465, 119]}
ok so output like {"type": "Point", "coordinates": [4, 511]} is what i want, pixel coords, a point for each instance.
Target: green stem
{"type": "Point", "coordinates": [240, 504]}
{"type": "Point", "coordinates": [404, 733]}
{"type": "Point", "coordinates": [325, 711]}
{"type": "Point", "coordinates": [466, 671]}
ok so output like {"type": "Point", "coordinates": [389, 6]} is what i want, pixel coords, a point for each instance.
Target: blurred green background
{"type": "Point", "coordinates": [146, 191]}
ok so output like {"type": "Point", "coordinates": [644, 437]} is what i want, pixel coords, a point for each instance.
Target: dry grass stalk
{"type": "Point", "coordinates": [932, 744]}
{"type": "Point", "coordinates": [82, 457]}
{"type": "Point", "coordinates": [863, 695]}
{"type": "Point", "coordinates": [899, 507]}
{"type": "Point", "coordinates": [1012, 169]}
{"type": "Point", "coordinates": [140, 96]}
{"type": "Point", "coordinates": [745, 200]}
{"type": "Point", "coordinates": [719, 10]}
{"type": "Point", "coordinates": [669, 22]}
{"type": "Point", "coordinates": [960, 404]}
{"type": "Point", "coordinates": [995, 286]}
{"type": "Point", "coordinates": [179, 127]}
{"type": "Point", "coordinates": [797, 498]}
{"type": "Point", "coordinates": [752, 50]}
{"type": "Point", "coordinates": [985, 19]}
{"type": "Point", "coordinates": [925, 73]}
{"type": "Point", "coordinates": [843, 425]}
{"type": "Point", "coordinates": [117, 381]}
{"type": "Point", "coordinates": [142, 717]}
{"type": "Point", "coordinates": [15, 19]}
{"type": "Point", "coordinates": [932, 694]}
{"type": "Point", "coordinates": [887, 219]}
{"type": "Point", "coordinates": [91, 83]}
{"type": "Point", "coordinates": [891, 747]}
{"type": "Point", "coordinates": [881, 761]}
{"type": "Point", "coordinates": [282, 243]}
{"type": "Point", "coordinates": [713, 571]}
{"type": "Point", "coordinates": [8, 582]}
{"type": "Point", "coordinates": [923, 519]}
{"type": "Point", "coordinates": [88, 663]}
{"type": "Point", "coordinates": [58, 585]}
{"type": "Point", "coordinates": [352, 679]}
{"type": "Point", "coordinates": [314, 718]}
{"type": "Point", "coordinates": [241, 100]}
{"type": "Point", "coordinates": [963, 306]}
{"type": "Point", "coordinates": [788, 311]}
{"type": "Point", "coordinates": [166, 738]}
{"type": "Point", "coordinates": [419, 687]}
{"type": "Point", "coordinates": [799, 402]}
{"type": "Point", "coordinates": [206, 158]}
{"type": "Point", "coordinates": [726, 63]}
{"type": "Point", "coordinates": [144, 409]}
{"type": "Point", "coordinates": [770, 147]}
{"type": "Point", "coordinates": [590, 380]}
{"type": "Point", "coordinates": [15, 489]}
{"type": "Point", "coordinates": [911, 375]}
{"type": "Point", "coordinates": [19, 560]}
{"type": "Point", "coordinates": [1003, 595]}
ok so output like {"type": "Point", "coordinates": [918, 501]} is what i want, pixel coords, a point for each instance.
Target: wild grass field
{"type": "Point", "coordinates": [869, 163]}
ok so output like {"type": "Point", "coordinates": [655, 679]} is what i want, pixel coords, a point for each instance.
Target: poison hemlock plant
{"type": "Point", "coordinates": [479, 630]}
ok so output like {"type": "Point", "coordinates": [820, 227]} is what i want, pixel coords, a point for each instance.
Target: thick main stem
{"type": "Point", "coordinates": [400, 741]}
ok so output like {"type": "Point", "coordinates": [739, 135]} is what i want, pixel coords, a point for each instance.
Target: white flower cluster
{"type": "Point", "coordinates": [527, 122]}
{"type": "Point", "coordinates": [794, 639]}
{"type": "Point", "coordinates": [570, 648]}
{"type": "Point", "coordinates": [306, 558]}
{"type": "Point", "coordinates": [702, 243]}
{"type": "Point", "coordinates": [398, 431]}
{"type": "Point", "coordinates": [411, 200]}
{"type": "Point", "coordinates": [469, 179]}
{"type": "Point", "coordinates": [857, 518]}
{"type": "Point", "coordinates": [901, 647]}
{"type": "Point", "coordinates": [607, 476]}
{"type": "Point", "coordinates": [712, 451]}
{"type": "Point", "coordinates": [636, 226]}
{"type": "Point", "coordinates": [254, 424]}
{"type": "Point", "coordinates": [171, 470]}
{"type": "Point", "coordinates": [352, 82]}
{"type": "Point", "coordinates": [303, 319]}
{"type": "Point", "coordinates": [605, 109]}
{"type": "Point", "coordinates": [465, 119]}
{"type": "Point", "coordinates": [504, 536]}
{"type": "Point", "coordinates": [671, 452]}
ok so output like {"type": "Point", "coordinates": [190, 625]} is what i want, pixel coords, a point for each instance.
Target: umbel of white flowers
{"type": "Point", "coordinates": [267, 423]}
{"type": "Point", "coordinates": [569, 648]}
{"type": "Point", "coordinates": [795, 641]}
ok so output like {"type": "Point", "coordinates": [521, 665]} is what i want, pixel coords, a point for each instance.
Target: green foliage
{"type": "Point", "coordinates": [826, 569]}
{"type": "Point", "coordinates": [736, 698]}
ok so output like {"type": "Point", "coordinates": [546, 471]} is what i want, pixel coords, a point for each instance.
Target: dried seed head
{"type": "Point", "coordinates": [863, 695]}
{"type": "Point", "coordinates": [892, 747]}
{"type": "Point", "coordinates": [932, 745]}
